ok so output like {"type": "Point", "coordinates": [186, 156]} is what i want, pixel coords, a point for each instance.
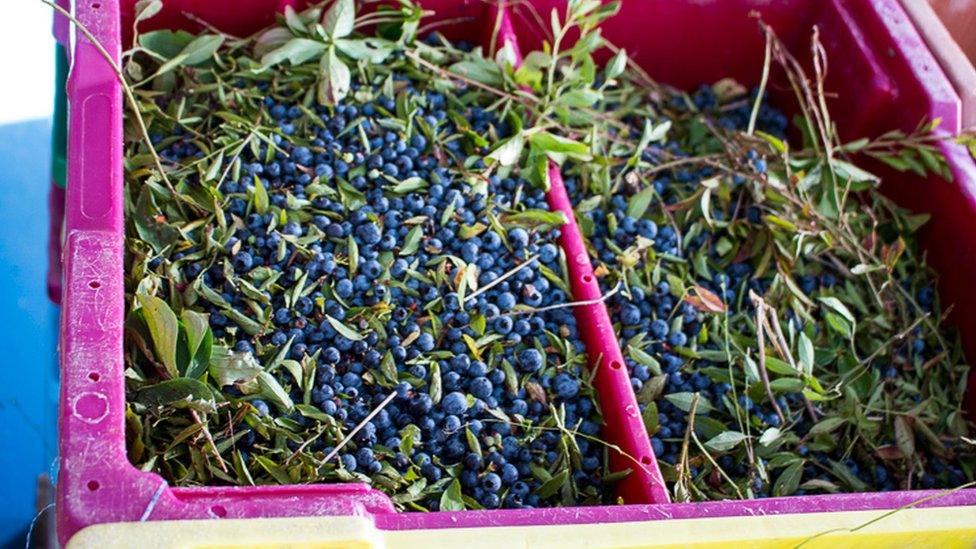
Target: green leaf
{"type": "Point", "coordinates": [645, 359]}
{"type": "Point", "coordinates": [551, 486]}
{"type": "Point", "coordinates": [777, 366]}
{"type": "Point", "coordinates": [199, 50]}
{"type": "Point", "coordinates": [228, 367]}
{"type": "Point", "coordinates": [374, 50]}
{"type": "Point", "coordinates": [806, 353]}
{"type": "Point", "coordinates": [480, 70]}
{"type": "Point", "coordinates": [839, 324]}
{"type": "Point", "coordinates": [776, 142]}
{"type": "Point", "coordinates": [451, 498]}
{"type": "Point", "coordinates": [645, 140]}
{"type": "Point", "coordinates": [199, 339]}
{"type": "Point", "coordinates": [827, 425]}
{"type": "Point", "coordinates": [274, 392]}
{"type": "Point", "coordinates": [551, 143]}
{"type": "Point", "coordinates": [835, 304]}
{"type": "Point", "coordinates": [334, 79]}
{"type": "Point", "coordinates": [412, 240]}
{"type": "Point", "coordinates": [409, 435]}
{"type": "Point", "coordinates": [164, 43]}
{"type": "Point", "coordinates": [273, 469]}
{"type": "Point", "coordinates": [270, 40]}
{"type": "Point", "coordinates": [651, 419]}
{"type": "Point", "coordinates": [638, 204]}
{"type": "Point", "coordinates": [163, 328]}
{"type": "Point", "coordinates": [770, 436]}
{"type": "Point", "coordinates": [659, 132]}
{"type": "Point", "coordinates": [409, 185]}
{"type": "Point", "coordinates": [214, 170]}
{"type": "Point", "coordinates": [146, 9]}
{"type": "Point", "coordinates": [725, 441]}
{"type": "Point", "coordinates": [616, 65]}
{"type": "Point", "coordinates": [531, 218]}
{"type": "Point", "coordinates": [851, 172]}
{"type": "Point", "coordinates": [580, 98]}
{"type": "Point", "coordinates": [178, 393]}
{"type": "Point", "coordinates": [789, 480]}
{"type": "Point", "coordinates": [339, 20]}
{"type": "Point", "coordinates": [352, 249]}
{"type": "Point", "coordinates": [683, 402]}
{"type": "Point", "coordinates": [344, 330]}
{"type": "Point", "coordinates": [294, 21]}
{"type": "Point", "coordinates": [434, 390]}
{"type": "Point", "coordinates": [904, 437]}
{"type": "Point", "coordinates": [652, 389]}
{"type": "Point", "coordinates": [932, 159]}
{"type": "Point", "coordinates": [473, 443]}
{"type": "Point", "coordinates": [261, 200]}
{"type": "Point", "coordinates": [157, 234]}
{"type": "Point", "coordinates": [847, 477]}
{"type": "Point", "coordinates": [388, 367]}
{"type": "Point", "coordinates": [787, 385]}
{"type": "Point", "coordinates": [296, 51]}
{"type": "Point", "coordinates": [508, 152]}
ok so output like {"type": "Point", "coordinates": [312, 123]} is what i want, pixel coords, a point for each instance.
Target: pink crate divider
{"type": "Point", "coordinates": [98, 484]}
{"type": "Point", "coordinates": [623, 424]}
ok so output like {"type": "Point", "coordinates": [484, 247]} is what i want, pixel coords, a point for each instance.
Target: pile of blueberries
{"type": "Point", "coordinates": [393, 270]}
{"type": "Point", "coordinates": [655, 316]}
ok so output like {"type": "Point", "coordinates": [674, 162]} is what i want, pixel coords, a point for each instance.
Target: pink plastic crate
{"type": "Point", "coordinates": [883, 77]}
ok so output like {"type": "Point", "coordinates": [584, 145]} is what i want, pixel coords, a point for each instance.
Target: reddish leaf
{"type": "Point", "coordinates": [535, 391]}
{"type": "Point", "coordinates": [706, 301]}
{"type": "Point", "coordinates": [889, 453]}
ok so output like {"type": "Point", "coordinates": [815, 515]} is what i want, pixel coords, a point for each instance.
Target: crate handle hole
{"type": "Point", "coordinates": [96, 5]}
{"type": "Point", "coordinates": [93, 485]}
{"type": "Point", "coordinates": [587, 278]}
{"type": "Point", "coordinates": [615, 364]}
{"type": "Point", "coordinates": [219, 510]}
{"type": "Point", "coordinates": [646, 460]}
{"type": "Point", "coordinates": [94, 284]}
{"type": "Point", "coordinates": [94, 376]}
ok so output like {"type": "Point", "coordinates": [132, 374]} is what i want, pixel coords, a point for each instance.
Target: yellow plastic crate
{"type": "Point", "coordinates": [931, 527]}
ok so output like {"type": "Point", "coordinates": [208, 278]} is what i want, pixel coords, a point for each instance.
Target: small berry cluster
{"type": "Point", "coordinates": [367, 257]}
{"type": "Point", "coordinates": [680, 284]}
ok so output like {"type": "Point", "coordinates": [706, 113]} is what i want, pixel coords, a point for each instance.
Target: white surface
{"type": "Point", "coordinates": [27, 60]}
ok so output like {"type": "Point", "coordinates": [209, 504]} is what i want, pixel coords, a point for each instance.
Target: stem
{"type": "Point", "coordinates": [210, 440]}
{"type": "Point", "coordinates": [343, 442]}
{"type": "Point", "coordinates": [762, 85]}
{"type": "Point", "coordinates": [761, 334]}
{"type": "Point", "coordinates": [130, 98]}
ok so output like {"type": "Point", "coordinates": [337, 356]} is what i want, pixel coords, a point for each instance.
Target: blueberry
{"type": "Point", "coordinates": [659, 329]}
{"type": "Point", "coordinates": [518, 238]}
{"type": "Point", "coordinates": [630, 315]}
{"type": "Point", "coordinates": [344, 288]}
{"type": "Point", "coordinates": [491, 482]}
{"type": "Point", "coordinates": [282, 316]}
{"type": "Point", "coordinates": [677, 339]}
{"type": "Point", "coordinates": [425, 342]}
{"type": "Point", "coordinates": [530, 360]}
{"type": "Point", "coordinates": [242, 262]}
{"type": "Point", "coordinates": [261, 407]}
{"type": "Point", "coordinates": [454, 403]}
{"type": "Point", "coordinates": [480, 387]}
{"type": "Point", "coordinates": [565, 386]}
